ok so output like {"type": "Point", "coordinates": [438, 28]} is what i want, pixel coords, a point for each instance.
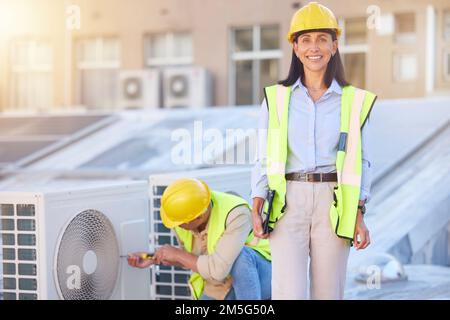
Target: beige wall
{"type": "Point", "coordinates": [209, 21]}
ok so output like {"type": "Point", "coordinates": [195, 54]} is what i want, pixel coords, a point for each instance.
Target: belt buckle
{"type": "Point", "coordinates": [310, 177]}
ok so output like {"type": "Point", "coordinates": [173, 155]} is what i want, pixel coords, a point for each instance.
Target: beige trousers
{"type": "Point", "coordinates": [304, 234]}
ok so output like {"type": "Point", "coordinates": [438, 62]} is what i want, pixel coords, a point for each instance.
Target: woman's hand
{"type": "Point", "coordinates": [361, 238]}
{"type": "Point", "coordinates": [135, 260]}
{"type": "Point", "coordinates": [258, 226]}
{"type": "Point", "coordinates": [167, 255]}
{"type": "Point", "coordinates": [257, 219]}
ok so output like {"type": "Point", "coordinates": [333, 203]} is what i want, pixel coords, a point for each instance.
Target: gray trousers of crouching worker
{"type": "Point", "coordinates": [304, 234]}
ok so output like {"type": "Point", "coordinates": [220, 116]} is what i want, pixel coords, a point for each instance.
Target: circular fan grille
{"type": "Point", "coordinates": [179, 86]}
{"type": "Point", "coordinates": [88, 258]}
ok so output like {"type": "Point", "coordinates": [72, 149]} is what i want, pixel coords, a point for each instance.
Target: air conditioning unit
{"type": "Point", "coordinates": [70, 244]}
{"type": "Point", "coordinates": [139, 89]}
{"type": "Point", "coordinates": [172, 282]}
{"type": "Point", "coordinates": [187, 87]}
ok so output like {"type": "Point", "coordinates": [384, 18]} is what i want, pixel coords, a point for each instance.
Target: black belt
{"type": "Point", "coordinates": [312, 177]}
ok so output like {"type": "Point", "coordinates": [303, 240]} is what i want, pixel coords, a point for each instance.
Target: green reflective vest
{"type": "Point", "coordinates": [356, 105]}
{"type": "Point", "coordinates": [222, 205]}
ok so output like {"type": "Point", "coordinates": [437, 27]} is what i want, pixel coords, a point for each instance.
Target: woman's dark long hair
{"type": "Point", "coordinates": [335, 68]}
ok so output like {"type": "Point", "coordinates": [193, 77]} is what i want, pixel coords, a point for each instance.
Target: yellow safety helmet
{"type": "Point", "coordinates": [183, 201]}
{"type": "Point", "coordinates": [313, 16]}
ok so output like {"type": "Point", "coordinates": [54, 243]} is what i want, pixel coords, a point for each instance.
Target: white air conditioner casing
{"type": "Point", "coordinates": [187, 87]}
{"type": "Point", "coordinates": [139, 89]}
{"type": "Point", "coordinates": [67, 244]}
{"type": "Point", "coordinates": [171, 282]}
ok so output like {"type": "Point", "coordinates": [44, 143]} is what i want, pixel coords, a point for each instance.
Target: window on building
{"type": "Point", "coordinates": [31, 75]}
{"type": "Point", "coordinates": [355, 69]}
{"type": "Point", "coordinates": [405, 28]}
{"type": "Point", "coordinates": [446, 27]}
{"type": "Point", "coordinates": [355, 31]}
{"type": "Point", "coordinates": [98, 63]}
{"type": "Point", "coordinates": [168, 49]}
{"type": "Point", "coordinates": [405, 67]}
{"type": "Point", "coordinates": [255, 59]}
{"type": "Point", "coordinates": [353, 48]}
{"type": "Point", "coordinates": [447, 65]}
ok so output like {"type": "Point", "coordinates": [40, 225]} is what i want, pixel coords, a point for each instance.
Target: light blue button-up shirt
{"type": "Point", "coordinates": [313, 136]}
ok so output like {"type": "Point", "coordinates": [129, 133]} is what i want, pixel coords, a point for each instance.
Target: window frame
{"type": "Point", "coordinates": [396, 66]}
{"type": "Point", "coordinates": [352, 48]}
{"type": "Point", "coordinates": [445, 14]}
{"type": "Point", "coordinates": [255, 56]}
{"type": "Point", "coordinates": [405, 38]}
{"type": "Point", "coordinates": [447, 64]}
{"type": "Point", "coordinates": [30, 68]}
{"type": "Point", "coordinates": [96, 64]}
{"type": "Point", "coordinates": [169, 59]}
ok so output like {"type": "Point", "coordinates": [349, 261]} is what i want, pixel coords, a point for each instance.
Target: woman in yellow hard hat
{"type": "Point", "coordinates": [213, 230]}
{"type": "Point", "coordinates": [312, 152]}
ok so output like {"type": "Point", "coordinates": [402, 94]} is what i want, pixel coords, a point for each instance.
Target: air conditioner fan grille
{"type": "Point", "coordinates": [88, 250]}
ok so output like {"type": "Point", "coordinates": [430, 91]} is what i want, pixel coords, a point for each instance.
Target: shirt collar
{"type": "Point", "coordinates": [334, 87]}
{"type": "Point", "coordinates": [297, 83]}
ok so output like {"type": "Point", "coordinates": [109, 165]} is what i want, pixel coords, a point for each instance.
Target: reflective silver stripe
{"type": "Point", "coordinates": [339, 176]}
{"type": "Point", "coordinates": [352, 179]}
{"type": "Point", "coordinates": [349, 176]}
{"type": "Point", "coordinates": [281, 94]}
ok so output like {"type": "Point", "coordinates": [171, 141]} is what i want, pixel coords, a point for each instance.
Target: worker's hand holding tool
{"type": "Point", "coordinates": [140, 259]}
{"type": "Point", "coordinates": [167, 255]}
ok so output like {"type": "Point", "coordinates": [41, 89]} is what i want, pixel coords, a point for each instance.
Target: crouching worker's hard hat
{"type": "Point", "coordinates": [313, 16]}
{"type": "Point", "coordinates": [183, 201]}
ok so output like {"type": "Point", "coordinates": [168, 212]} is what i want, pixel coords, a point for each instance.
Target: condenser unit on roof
{"type": "Point", "coordinates": [172, 282]}
{"type": "Point", "coordinates": [68, 244]}
{"type": "Point", "coordinates": [139, 89]}
{"type": "Point", "coordinates": [187, 87]}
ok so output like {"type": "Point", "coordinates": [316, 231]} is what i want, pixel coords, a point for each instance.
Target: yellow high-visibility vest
{"type": "Point", "coordinates": [222, 205]}
{"type": "Point", "coordinates": [356, 105]}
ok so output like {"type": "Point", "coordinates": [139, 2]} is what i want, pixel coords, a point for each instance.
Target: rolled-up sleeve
{"type": "Point", "coordinates": [259, 183]}
{"type": "Point", "coordinates": [217, 266]}
{"type": "Point", "coordinates": [366, 178]}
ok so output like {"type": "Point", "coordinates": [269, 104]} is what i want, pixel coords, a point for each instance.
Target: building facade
{"type": "Point", "coordinates": [56, 54]}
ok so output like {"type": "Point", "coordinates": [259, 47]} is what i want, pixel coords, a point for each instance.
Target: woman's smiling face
{"type": "Point", "coordinates": [314, 49]}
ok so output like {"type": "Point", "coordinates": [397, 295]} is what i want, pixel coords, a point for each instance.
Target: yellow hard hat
{"type": "Point", "coordinates": [313, 16]}
{"type": "Point", "coordinates": [183, 201]}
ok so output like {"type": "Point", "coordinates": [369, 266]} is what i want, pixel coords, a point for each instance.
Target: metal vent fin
{"type": "Point", "coordinates": [169, 283]}
{"type": "Point", "coordinates": [18, 255]}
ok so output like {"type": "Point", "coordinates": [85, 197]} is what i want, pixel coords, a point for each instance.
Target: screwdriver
{"type": "Point", "coordinates": [143, 256]}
